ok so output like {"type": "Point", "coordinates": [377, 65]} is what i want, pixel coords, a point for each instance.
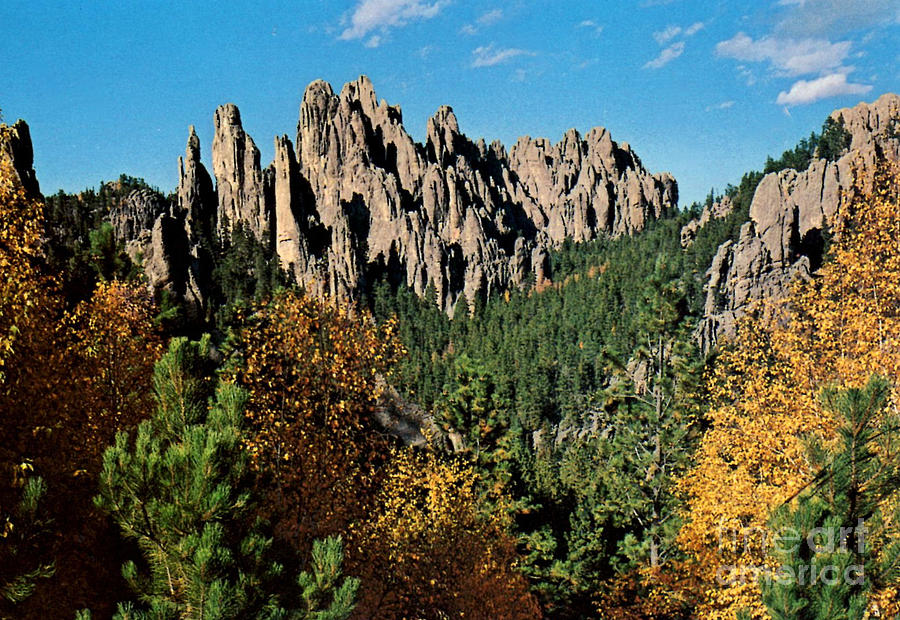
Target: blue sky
{"type": "Point", "coordinates": [702, 89]}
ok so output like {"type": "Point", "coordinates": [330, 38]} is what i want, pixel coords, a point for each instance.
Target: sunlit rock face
{"type": "Point", "coordinates": [790, 216]}
{"type": "Point", "coordinates": [355, 198]}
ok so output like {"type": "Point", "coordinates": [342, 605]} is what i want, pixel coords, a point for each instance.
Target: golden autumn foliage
{"type": "Point", "coordinates": [429, 552]}
{"type": "Point", "coordinates": [23, 289]}
{"type": "Point", "coordinates": [839, 329]}
{"type": "Point", "coordinates": [112, 347]}
{"type": "Point", "coordinates": [311, 369]}
{"type": "Point", "coordinates": [648, 593]}
{"type": "Point", "coordinates": [29, 309]}
{"type": "Point", "coordinates": [102, 366]}
{"type": "Point", "coordinates": [70, 380]}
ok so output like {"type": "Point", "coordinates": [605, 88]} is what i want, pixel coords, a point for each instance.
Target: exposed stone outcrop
{"type": "Point", "coordinates": [717, 210]}
{"type": "Point", "coordinates": [170, 247]}
{"type": "Point", "coordinates": [581, 186]}
{"type": "Point", "coordinates": [239, 179]}
{"type": "Point", "coordinates": [16, 149]}
{"type": "Point", "coordinates": [136, 214]}
{"type": "Point", "coordinates": [197, 200]}
{"type": "Point", "coordinates": [166, 255]}
{"type": "Point", "coordinates": [361, 200]}
{"type": "Point", "coordinates": [356, 199]}
{"type": "Point", "coordinates": [790, 215]}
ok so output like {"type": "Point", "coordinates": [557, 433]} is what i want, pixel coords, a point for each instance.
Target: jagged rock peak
{"type": "Point", "coordinates": [136, 213]}
{"type": "Point", "coordinates": [717, 210]}
{"type": "Point", "coordinates": [227, 114]}
{"type": "Point", "coordinates": [790, 215]}
{"type": "Point", "coordinates": [239, 179]}
{"type": "Point", "coordinates": [290, 243]}
{"type": "Point", "coordinates": [361, 91]}
{"type": "Point", "coordinates": [359, 199]}
{"type": "Point", "coordinates": [196, 197]}
{"type": "Point", "coordinates": [193, 145]}
{"type": "Point", "coordinates": [866, 120]}
{"type": "Point", "coordinates": [445, 119]}
{"type": "Point", "coordinates": [442, 131]}
{"type": "Point", "coordinates": [16, 149]}
{"type": "Point", "coordinates": [453, 213]}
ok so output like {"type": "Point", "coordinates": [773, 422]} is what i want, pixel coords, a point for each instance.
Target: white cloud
{"type": "Point", "coordinates": [671, 32]}
{"type": "Point", "coordinates": [694, 29]}
{"type": "Point", "coordinates": [834, 18]}
{"type": "Point", "coordinates": [488, 55]}
{"type": "Point", "coordinates": [812, 39]}
{"type": "Point", "coordinates": [676, 49]}
{"type": "Point", "coordinates": [720, 106]}
{"type": "Point", "coordinates": [832, 85]}
{"type": "Point", "coordinates": [747, 74]}
{"type": "Point", "coordinates": [373, 41]}
{"type": "Point", "coordinates": [664, 36]}
{"type": "Point", "coordinates": [591, 24]}
{"type": "Point", "coordinates": [485, 19]}
{"type": "Point", "coordinates": [491, 17]}
{"type": "Point", "coordinates": [666, 56]}
{"type": "Point", "coordinates": [791, 57]}
{"type": "Point", "coordinates": [371, 15]}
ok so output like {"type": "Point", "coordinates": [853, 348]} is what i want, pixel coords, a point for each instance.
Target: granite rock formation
{"type": "Point", "coordinates": [136, 214]}
{"type": "Point", "coordinates": [239, 179]}
{"type": "Point", "coordinates": [16, 150]}
{"type": "Point", "coordinates": [169, 238]}
{"type": "Point", "coordinates": [790, 215]}
{"type": "Point", "coordinates": [717, 210]}
{"type": "Point", "coordinates": [356, 199]}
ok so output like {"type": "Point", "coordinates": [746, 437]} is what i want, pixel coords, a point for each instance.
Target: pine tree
{"type": "Point", "coordinates": [471, 409]}
{"type": "Point", "coordinates": [181, 489]}
{"type": "Point", "coordinates": [24, 533]}
{"type": "Point", "coordinates": [835, 139]}
{"type": "Point", "coordinates": [652, 422]}
{"type": "Point", "coordinates": [829, 571]}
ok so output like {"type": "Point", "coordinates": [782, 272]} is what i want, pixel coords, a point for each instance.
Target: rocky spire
{"type": "Point", "coordinates": [290, 242]}
{"type": "Point", "coordinates": [452, 213]}
{"type": "Point", "coordinates": [239, 178]}
{"type": "Point", "coordinates": [16, 149]}
{"type": "Point", "coordinates": [196, 198]}
{"type": "Point", "coordinates": [359, 199]}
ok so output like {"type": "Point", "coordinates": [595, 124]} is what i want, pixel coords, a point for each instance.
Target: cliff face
{"type": "Point", "coordinates": [790, 216]}
{"type": "Point", "coordinates": [16, 150]}
{"type": "Point", "coordinates": [356, 198]}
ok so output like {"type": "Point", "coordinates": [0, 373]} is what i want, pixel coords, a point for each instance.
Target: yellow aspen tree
{"type": "Point", "coordinates": [837, 329]}
{"type": "Point", "coordinates": [113, 345]}
{"type": "Point", "coordinates": [430, 552]}
{"type": "Point", "coordinates": [311, 369]}
{"type": "Point", "coordinates": [27, 310]}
